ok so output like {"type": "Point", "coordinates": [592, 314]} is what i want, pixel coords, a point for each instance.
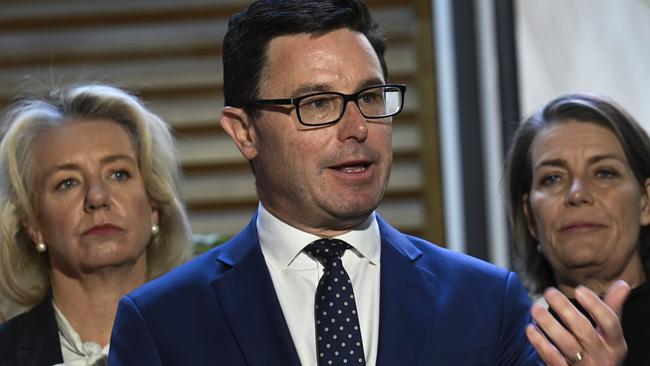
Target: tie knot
{"type": "Point", "coordinates": [324, 249]}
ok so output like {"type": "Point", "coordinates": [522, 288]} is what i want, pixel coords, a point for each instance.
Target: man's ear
{"type": "Point", "coordinates": [239, 126]}
{"type": "Point", "coordinates": [645, 203]}
{"type": "Point", "coordinates": [532, 228]}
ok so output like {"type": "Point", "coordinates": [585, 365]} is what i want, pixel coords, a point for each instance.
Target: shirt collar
{"type": "Point", "coordinates": [282, 243]}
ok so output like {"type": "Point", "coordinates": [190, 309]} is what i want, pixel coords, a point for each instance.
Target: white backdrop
{"type": "Point", "coordinates": [597, 46]}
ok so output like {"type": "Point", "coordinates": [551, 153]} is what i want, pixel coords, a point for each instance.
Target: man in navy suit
{"type": "Point", "coordinates": [308, 104]}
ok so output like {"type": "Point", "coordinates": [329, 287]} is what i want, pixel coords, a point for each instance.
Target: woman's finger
{"type": "Point", "coordinates": [546, 350]}
{"type": "Point", "coordinates": [607, 342]}
{"type": "Point", "coordinates": [558, 334]}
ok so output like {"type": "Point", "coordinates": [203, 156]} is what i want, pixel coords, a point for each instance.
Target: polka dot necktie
{"type": "Point", "coordinates": [338, 335]}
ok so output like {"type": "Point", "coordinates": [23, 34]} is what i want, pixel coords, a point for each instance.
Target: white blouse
{"type": "Point", "coordinates": [76, 352]}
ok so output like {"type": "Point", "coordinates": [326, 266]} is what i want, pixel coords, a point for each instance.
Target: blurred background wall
{"type": "Point", "coordinates": [597, 46]}
{"type": "Point", "coordinates": [473, 69]}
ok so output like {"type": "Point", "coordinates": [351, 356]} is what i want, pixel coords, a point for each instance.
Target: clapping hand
{"type": "Point", "coordinates": [574, 340]}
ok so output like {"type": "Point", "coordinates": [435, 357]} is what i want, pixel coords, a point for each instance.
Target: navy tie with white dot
{"type": "Point", "coordinates": [337, 325]}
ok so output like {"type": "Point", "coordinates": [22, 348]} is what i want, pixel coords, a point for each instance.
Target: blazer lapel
{"type": "Point", "coordinates": [39, 344]}
{"type": "Point", "coordinates": [247, 297]}
{"type": "Point", "coordinates": [407, 293]}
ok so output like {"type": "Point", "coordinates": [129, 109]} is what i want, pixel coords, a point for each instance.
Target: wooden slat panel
{"type": "Point", "coordinates": [162, 75]}
{"type": "Point", "coordinates": [115, 42]}
{"type": "Point", "coordinates": [208, 150]}
{"type": "Point", "coordinates": [395, 21]}
{"type": "Point", "coordinates": [32, 12]}
{"type": "Point", "coordinates": [402, 60]}
{"type": "Point", "coordinates": [28, 11]}
{"type": "Point", "coordinates": [406, 214]}
{"type": "Point", "coordinates": [184, 110]}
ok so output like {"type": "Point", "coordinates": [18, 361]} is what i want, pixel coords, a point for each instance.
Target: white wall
{"type": "Point", "coordinates": [597, 46]}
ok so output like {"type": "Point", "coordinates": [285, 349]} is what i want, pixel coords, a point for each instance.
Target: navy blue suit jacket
{"type": "Point", "coordinates": [437, 307]}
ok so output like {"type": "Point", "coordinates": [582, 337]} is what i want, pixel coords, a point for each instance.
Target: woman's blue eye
{"type": "Point", "coordinates": [65, 184]}
{"type": "Point", "coordinates": [121, 175]}
{"type": "Point", "coordinates": [549, 179]}
{"type": "Point", "coordinates": [607, 174]}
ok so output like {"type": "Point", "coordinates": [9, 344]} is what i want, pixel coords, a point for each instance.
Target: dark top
{"type": "Point", "coordinates": [636, 325]}
{"type": "Point", "coordinates": [31, 339]}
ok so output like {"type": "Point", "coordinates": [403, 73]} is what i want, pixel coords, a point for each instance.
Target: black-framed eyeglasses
{"type": "Point", "coordinates": [324, 108]}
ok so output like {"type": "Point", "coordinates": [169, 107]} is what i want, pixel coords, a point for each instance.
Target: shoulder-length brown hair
{"type": "Point", "coordinates": [534, 269]}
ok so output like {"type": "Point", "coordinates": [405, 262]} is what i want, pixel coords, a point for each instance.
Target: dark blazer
{"type": "Point", "coordinates": [437, 307]}
{"type": "Point", "coordinates": [31, 339]}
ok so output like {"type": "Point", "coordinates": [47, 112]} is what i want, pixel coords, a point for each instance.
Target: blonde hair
{"type": "Point", "coordinates": [24, 273]}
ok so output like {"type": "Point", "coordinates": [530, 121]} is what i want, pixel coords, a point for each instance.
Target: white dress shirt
{"type": "Point", "coordinates": [295, 277]}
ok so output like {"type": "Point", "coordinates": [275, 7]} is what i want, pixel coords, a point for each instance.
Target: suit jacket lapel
{"type": "Point", "coordinates": [407, 293]}
{"type": "Point", "coordinates": [39, 344]}
{"type": "Point", "coordinates": [249, 302]}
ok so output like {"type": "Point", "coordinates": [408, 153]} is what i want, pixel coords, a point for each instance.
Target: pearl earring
{"type": "Point", "coordinates": [539, 248]}
{"type": "Point", "coordinates": [41, 247]}
{"type": "Point", "coordinates": [155, 229]}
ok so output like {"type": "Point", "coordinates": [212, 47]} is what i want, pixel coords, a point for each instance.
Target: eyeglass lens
{"type": "Point", "coordinates": [376, 102]}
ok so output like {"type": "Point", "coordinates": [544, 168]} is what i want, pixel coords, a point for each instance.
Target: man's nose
{"type": "Point", "coordinates": [353, 124]}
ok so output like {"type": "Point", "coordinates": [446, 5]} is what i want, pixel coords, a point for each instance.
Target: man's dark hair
{"type": "Point", "coordinates": [251, 30]}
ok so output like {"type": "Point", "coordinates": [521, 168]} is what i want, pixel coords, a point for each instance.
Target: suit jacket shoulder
{"type": "Point", "coordinates": [193, 279]}
{"type": "Point", "coordinates": [220, 306]}
{"type": "Point", "coordinates": [437, 304]}
{"type": "Point", "coordinates": [31, 338]}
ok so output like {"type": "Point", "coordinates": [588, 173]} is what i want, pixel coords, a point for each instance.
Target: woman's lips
{"type": "Point", "coordinates": [103, 230]}
{"type": "Point", "coordinates": [581, 226]}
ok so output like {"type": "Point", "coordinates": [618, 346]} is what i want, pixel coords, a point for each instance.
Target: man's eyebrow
{"type": "Point", "coordinates": [371, 82]}
{"type": "Point", "coordinates": [319, 88]}
{"type": "Point", "coordinates": [312, 88]}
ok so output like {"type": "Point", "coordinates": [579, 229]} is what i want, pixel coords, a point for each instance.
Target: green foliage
{"type": "Point", "coordinates": [205, 242]}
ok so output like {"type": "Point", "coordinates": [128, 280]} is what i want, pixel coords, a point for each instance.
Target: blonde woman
{"type": "Point", "coordinates": [90, 210]}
